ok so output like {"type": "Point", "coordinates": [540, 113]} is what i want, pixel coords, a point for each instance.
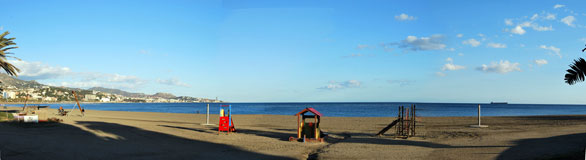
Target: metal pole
{"type": "Point", "coordinates": [208, 115]}
{"type": "Point", "coordinates": [479, 115]}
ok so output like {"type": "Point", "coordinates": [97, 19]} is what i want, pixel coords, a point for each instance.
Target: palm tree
{"type": "Point", "coordinates": [6, 44]}
{"type": "Point", "coordinates": [577, 71]}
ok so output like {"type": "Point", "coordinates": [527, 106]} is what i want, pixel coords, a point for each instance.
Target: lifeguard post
{"type": "Point", "coordinates": [308, 131]}
{"type": "Point", "coordinates": [226, 124]}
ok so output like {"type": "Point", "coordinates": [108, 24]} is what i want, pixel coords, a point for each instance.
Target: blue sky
{"type": "Point", "coordinates": [294, 51]}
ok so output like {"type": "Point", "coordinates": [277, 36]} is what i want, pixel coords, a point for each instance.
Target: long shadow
{"type": "Point", "coordinates": [270, 134]}
{"type": "Point", "coordinates": [142, 120]}
{"type": "Point", "coordinates": [191, 129]}
{"type": "Point", "coordinates": [556, 117]}
{"type": "Point", "coordinates": [276, 135]}
{"type": "Point", "coordinates": [108, 141]}
{"type": "Point", "coordinates": [367, 138]}
{"type": "Point", "coordinates": [569, 146]}
{"type": "Point", "coordinates": [385, 141]}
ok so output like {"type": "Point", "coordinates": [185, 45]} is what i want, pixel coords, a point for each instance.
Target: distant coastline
{"type": "Point", "coordinates": [68, 102]}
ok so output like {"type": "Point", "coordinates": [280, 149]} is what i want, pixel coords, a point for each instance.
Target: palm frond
{"type": "Point", "coordinates": [576, 72]}
{"type": "Point", "coordinates": [7, 44]}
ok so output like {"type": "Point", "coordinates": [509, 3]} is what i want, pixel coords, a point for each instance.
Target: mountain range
{"type": "Point", "coordinates": [6, 80]}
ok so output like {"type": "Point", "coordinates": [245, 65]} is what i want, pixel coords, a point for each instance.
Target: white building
{"type": "Point", "coordinates": [90, 97]}
{"type": "Point", "coordinates": [9, 94]}
{"type": "Point", "coordinates": [105, 99]}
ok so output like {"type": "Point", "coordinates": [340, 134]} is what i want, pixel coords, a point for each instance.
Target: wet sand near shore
{"type": "Point", "coordinates": [146, 135]}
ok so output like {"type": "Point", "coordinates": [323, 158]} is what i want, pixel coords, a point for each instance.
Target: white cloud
{"type": "Point", "coordinates": [459, 35]}
{"type": "Point", "coordinates": [496, 45]}
{"type": "Point", "coordinates": [550, 16]}
{"type": "Point", "coordinates": [404, 17]}
{"type": "Point", "coordinates": [472, 42]}
{"type": "Point", "coordinates": [569, 20]}
{"type": "Point", "coordinates": [535, 16]}
{"type": "Point", "coordinates": [535, 26]}
{"type": "Point", "coordinates": [333, 85]}
{"type": "Point", "coordinates": [39, 70]}
{"type": "Point", "coordinates": [450, 66]}
{"type": "Point", "coordinates": [558, 6]}
{"type": "Point", "coordinates": [501, 67]}
{"type": "Point", "coordinates": [553, 49]}
{"type": "Point", "coordinates": [508, 22]}
{"type": "Point", "coordinates": [460, 54]}
{"type": "Point", "coordinates": [173, 82]}
{"type": "Point", "coordinates": [518, 30]}
{"type": "Point", "coordinates": [63, 76]}
{"type": "Point", "coordinates": [434, 42]}
{"type": "Point", "coordinates": [449, 59]}
{"type": "Point", "coordinates": [440, 74]}
{"type": "Point", "coordinates": [583, 40]}
{"type": "Point", "coordinates": [122, 78]}
{"type": "Point", "coordinates": [542, 28]}
{"type": "Point", "coordinates": [540, 62]}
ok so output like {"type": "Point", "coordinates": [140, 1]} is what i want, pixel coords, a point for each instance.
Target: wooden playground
{"type": "Point", "coordinates": [406, 123]}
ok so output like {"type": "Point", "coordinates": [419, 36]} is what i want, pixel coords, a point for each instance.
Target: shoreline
{"type": "Point", "coordinates": [115, 135]}
{"type": "Point", "coordinates": [214, 114]}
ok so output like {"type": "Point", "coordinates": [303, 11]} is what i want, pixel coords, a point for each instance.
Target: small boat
{"type": "Point", "coordinates": [499, 103]}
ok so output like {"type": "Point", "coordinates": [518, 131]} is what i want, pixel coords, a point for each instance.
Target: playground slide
{"type": "Point", "coordinates": [387, 128]}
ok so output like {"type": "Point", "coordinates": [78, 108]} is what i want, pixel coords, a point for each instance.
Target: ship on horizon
{"type": "Point", "coordinates": [499, 102]}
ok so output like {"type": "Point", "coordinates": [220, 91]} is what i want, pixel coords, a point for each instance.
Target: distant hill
{"type": "Point", "coordinates": [117, 91]}
{"type": "Point", "coordinates": [11, 81]}
{"type": "Point", "coordinates": [7, 80]}
{"type": "Point", "coordinates": [164, 95]}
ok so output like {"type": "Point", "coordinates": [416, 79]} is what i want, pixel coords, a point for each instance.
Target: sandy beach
{"type": "Point", "coordinates": [145, 135]}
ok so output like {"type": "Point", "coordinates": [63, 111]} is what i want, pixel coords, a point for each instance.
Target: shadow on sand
{"type": "Point", "coordinates": [108, 141]}
{"type": "Point", "coordinates": [569, 146]}
{"type": "Point", "coordinates": [214, 130]}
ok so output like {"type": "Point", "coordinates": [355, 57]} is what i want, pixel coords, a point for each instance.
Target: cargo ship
{"type": "Point", "coordinates": [499, 103]}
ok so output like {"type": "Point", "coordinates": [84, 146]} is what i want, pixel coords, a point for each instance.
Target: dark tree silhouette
{"type": "Point", "coordinates": [577, 71]}
{"type": "Point", "coordinates": [6, 44]}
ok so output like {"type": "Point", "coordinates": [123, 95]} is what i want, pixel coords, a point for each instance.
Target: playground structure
{"type": "Point", "coordinates": [226, 124]}
{"type": "Point", "coordinates": [308, 131]}
{"type": "Point", "coordinates": [405, 122]}
{"type": "Point", "coordinates": [63, 112]}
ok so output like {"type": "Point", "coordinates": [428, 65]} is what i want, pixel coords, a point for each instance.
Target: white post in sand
{"type": "Point", "coordinates": [208, 116]}
{"type": "Point", "coordinates": [479, 124]}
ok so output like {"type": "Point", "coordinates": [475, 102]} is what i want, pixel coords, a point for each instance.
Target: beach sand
{"type": "Point", "coordinates": [143, 135]}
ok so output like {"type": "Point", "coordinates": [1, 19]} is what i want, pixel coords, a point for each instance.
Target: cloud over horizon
{"type": "Point", "coordinates": [554, 50]}
{"type": "Point", "coordinates": [502, 67]}
{"type": "Point", "coordinates": [333, 85]}
{"type": "Point", "coordinates": [39, 70]}
{"type": "Point", "coordinates": [64, 76]}
{"type": "Point", "coordinates": [404, 17]}
{"type": "Point", "coordinates": [173, 82]}
{"type": "Point", "coordinates": [413, 43]}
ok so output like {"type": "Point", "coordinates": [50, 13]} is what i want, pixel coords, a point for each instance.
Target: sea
{"type": "Point", "coordinates": [339, 109]}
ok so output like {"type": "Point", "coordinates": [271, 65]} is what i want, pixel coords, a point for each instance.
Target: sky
{"type": "Point", "coordinates": [306, 51]}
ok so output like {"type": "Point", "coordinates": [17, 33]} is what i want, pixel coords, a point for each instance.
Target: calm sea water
{"type": "Point", "coordinates": [342, 109]}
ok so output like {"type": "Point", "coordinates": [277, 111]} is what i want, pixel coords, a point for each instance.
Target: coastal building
{"type": "Point", "coordinates": [9, 94]}
{"type": "Point", "coordinates": [50, 99]}
{"type": "Point", "coordinates": [105, 99]}
{"type": "Point", "coordinates": [90, 97]}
